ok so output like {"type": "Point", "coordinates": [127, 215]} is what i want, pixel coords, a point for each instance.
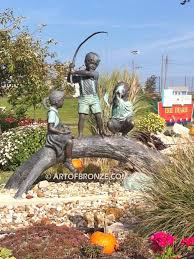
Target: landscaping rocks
{"type": "Point", "coordinates": [75, 204]}
{"type": "Point", "coordinates": [43, 184]}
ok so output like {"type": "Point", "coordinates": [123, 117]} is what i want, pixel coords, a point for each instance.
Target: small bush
{"type": "Point", "coordinates": [6, 253]}
{"type": "Point", "coordinates": [17, 145]}
{"type": "Point", "coordinates": [8, 121]}
{"type": "Point", "coordinates": [45, 242]}
{"type": "Point", "coordinates": [134, 246]}
{"type": "Point", "coordinates": [91, 251]}
{"type": "Point", "coordinates": [150, 123]}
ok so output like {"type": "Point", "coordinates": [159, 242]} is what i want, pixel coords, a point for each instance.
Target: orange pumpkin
{"type": "Point", "coordinates": [191, 130]}
{"type": "Point", "coordinates": [78, 164]}
{"type": "Point", "coordinates": [107, 241]}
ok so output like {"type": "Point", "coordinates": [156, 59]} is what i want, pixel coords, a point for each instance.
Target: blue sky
{"type": "Point", "coordinates": [154, 27]}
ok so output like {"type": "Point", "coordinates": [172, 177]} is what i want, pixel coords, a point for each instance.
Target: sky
{"type": "Point", "coordinates": [153, 27]}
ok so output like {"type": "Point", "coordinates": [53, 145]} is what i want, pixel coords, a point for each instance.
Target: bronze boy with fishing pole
{"type": "Point", "coordinates": [88, 83]}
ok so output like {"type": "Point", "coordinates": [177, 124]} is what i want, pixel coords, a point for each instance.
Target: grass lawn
{"type": "Point", "coordinates": [68, 113]}
{"type": "Point", "coordinates": [4, 176]}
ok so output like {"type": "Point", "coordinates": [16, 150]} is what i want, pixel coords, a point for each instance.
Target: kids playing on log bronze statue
{"type": "Point", "coordinates": [59, 144]}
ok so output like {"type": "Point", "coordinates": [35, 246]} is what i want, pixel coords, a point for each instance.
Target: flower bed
{"type": "Point", "coordinates": [17, 145]}
{"type": "Point", "coordinates": [45, 241]}
{"type": "Point", "coordinates": [165, 246]}
{"type": "Point", "coordinates": [9, 120]}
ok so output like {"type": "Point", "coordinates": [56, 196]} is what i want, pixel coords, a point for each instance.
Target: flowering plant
{"type": "Point", "coordinates": [29, 121]}
{"type": "Point", "coordinates": [17, 145]}
{"type": "Point", "coordinates": [7, 121]}
{"type": "Point", "coordinates": [164, 246]}
{"type": "Point", "coordinates": [151, 123]}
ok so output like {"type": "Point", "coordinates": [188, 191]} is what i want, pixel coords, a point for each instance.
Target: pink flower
{"type": "Point", "coordinates": [160, 240]}
{"type": "Point", "coordinates": [187, 241]}
{"type": "Point", "coordinates": [9, 120]}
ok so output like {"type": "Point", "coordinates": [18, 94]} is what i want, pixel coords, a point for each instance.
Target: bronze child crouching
{"type": "Point", "coordinates": [122, 110]}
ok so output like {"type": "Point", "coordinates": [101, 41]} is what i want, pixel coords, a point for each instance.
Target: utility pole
{"type": "Point", "coordinates": [165, 71]}
{"type": "Point", "coordinates": [133, 66]}
{"type": "Point", "coordinates": [159, 90]}
{"type": "Point", "coordinates": [161, 75]}
{"type": "Point", "coordinates": [134, 52]}
{"type": "Point", "coordinates": [185, 80]}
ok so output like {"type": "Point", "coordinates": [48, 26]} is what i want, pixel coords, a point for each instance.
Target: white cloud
{"type": "Point", "coordinates": [181, 41]}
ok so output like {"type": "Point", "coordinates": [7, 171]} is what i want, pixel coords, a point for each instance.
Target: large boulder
{"type": "Point", "coordinates": [181, 130]}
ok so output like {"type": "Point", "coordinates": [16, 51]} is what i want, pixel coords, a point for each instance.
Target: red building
{"type": "Point", "coordinates": [176, 105]}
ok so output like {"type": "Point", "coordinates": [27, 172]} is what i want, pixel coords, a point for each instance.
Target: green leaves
{"type": "Point", "coordinates": [151, 123]}
{"type": "Point", "coordinates": [17, 145]}
{"type": "Point", "coordinates": [23, 61]}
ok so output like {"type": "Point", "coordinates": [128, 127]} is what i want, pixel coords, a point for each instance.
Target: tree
{"type": "Point", "coordinates": [151, 95]}
{"type": "Point", "coordinates": [23, 62]}
{"type": "Point", "coordinates": [58, 77]}
{"type": "Point", "coordinates": [150, 84]}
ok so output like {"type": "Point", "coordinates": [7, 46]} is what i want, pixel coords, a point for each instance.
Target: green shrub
{"type": "Point", "coordinates": [170, 197]}
{"type": "Point", "coordinates": [8, 120]}
{"type": "Point", "coordinates": [91, 251]}
{"type": "Point", "coordinates": [150, 123]}
{"type": "Point", "coordinates": [6, 253]}
{"type": "Point", "coordinates": [17, 145]}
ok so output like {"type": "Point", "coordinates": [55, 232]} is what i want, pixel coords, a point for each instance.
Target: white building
{"type": "Point", "coordinates": [176, 95]}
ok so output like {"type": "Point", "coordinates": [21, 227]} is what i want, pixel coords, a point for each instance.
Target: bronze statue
{"type": "Point", "coordinates": [88, 99]}
{"type": "Point", "coordinates": [122, 110]}
{"type": "Point", "coordinates": [59, 136]}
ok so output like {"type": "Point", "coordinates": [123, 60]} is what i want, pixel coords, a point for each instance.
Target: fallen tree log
{"type": "Point", "coordinates": [125, 150]}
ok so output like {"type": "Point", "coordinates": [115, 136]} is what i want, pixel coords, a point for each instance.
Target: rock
{"type": "Point", "coordinates": [109, 219]}
{"type": "Point", "coordinates": [181, 130]}
{"type": "Point", "coordinates": [45, 221]}
{"type": "Point", "coordinates": [52, 211]}
{"type": "Point", "coordinates": [40, 194]}
{"type": "Point", "coordinates": [92, 212]}
{"type": "Point", "coordinates": [99, 217]}
{"type": "Point", "coordinates": [30, 215]}
{"type": "Point", "coordinates": [30, 192]}
{"type": "Point", "coordinates": [115, 211]}
{"type": "Point", "coordinates": [167, 140]}
{"type": "Point", "coordinates": [136, 182]}
{"type": "Point", "coordinates": [115, 228]}
{"type": "Point", "coordinates": [29, 196]}
{"type": "Point", "coordinates": [43, 184]}
{"type": "Point", "coordinates": [89, 218]}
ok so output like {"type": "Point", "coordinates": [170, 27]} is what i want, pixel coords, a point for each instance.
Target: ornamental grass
{"type": "Point", "coordinates": [170, 196]}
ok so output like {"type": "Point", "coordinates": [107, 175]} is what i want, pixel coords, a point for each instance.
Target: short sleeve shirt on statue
{"type": "Point", "coordinates": [88, 99]}
{"type": "Point", "coordinates": [53, 116]}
